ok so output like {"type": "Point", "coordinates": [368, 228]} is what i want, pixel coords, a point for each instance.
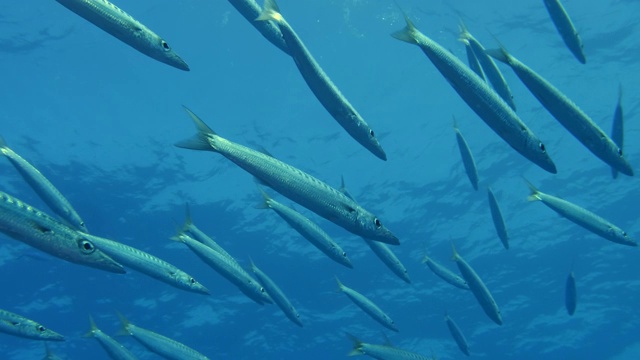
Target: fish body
{"type": "Point", "coordinates": [383, 352]}
{"type": "Point", "coordinates": [617, 128]}
{"type": "Point", "coordinates": [44, 188]}
{"type": "Point", "coordinates": [582, 217]}
{"type": "Point", "coordinates": [570, 294]}
{"type": "Point", "coordinates": [565, 27]}
{"type": "Point", "coordinates": [123, 26]}
{"type": "Point", "coordinates": [478, 288]}
{"type": "Point", "coordinates": [35, 228]}
{"type": "Point", "coordinates": [114, 349]}
{"type": "Point", "coordinates": [467, 158]}
{"type": "Point", "coordinates": [485, 102]}
{"type": "Point", "coordinates": [368, 306]}
{"type": "Point", "coordinates": [192, 230]}
{"type": "Point", "coordinates": [457, 335]}
{"type": "Point", "coordinates": [472, 60]}
{"type": "Point", "coordinates": [18, 325]}
{"type": "Point", "coordinates": [567, 113]}
{"type": "Point", "coordinates": [293, 183]}
{"type": "Point", "coordinates": [446, 274]}
{"type": "Point", "coordinates": [250, 10]}
{"type": "Point", "coordinates": [498, 220]}
{"type": "Point", "coordinates": [277, 295]}
{"type": "Point", "coordinates": [387, 256]}
{"type": "Point", "coordinates": [159, 344]}
{"type": "Point", "coordinates": [309, 230]}
{"type": "Point", "coordinates": [321, 85]}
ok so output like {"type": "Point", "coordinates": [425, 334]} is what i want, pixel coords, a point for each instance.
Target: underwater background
{"type": "Point", "coordinates": [100, 119]}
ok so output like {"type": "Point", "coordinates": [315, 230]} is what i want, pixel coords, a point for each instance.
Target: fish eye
{"type": "Point", "coordinates": [619, 151]}
{"type": "Point", "coordinates": [262, 290]}
{"type": "Point", "coordinates": [165, 46]}
{"type": "Point", "coordinates": [192, 280]}
{"type": "Point", "coordinates": [372, 133]}
{"type": "Point", "coordinates": [377, 223]}
{"type": "Point", "coordinates": [40, 328]}
{"type": "Point", "coordinates": [86, 246]}
{"type": "Point", "coordinates": [541, 146]}
{"type": "Point", "coordinates": [344, 254]}
{"type": "Point", "coordinates": [624, 233]}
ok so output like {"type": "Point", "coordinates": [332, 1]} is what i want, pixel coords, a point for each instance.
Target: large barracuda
{"type": "Point", "coordinates": [368, 306]}
{"type": "Point", "coordinates": [565, 27]}
{"type": "Point", "coordinates": [251, 10]}
{"type": "Point", "coordinates": [123, 26]}
{"type": "Point", "coordinates": [114, 349]}
{"type": "Point", "coordinates": [293, 183]}
{"type": "Point", "coordinates": [35, 228]}
{"type": "Point", "coordinates": [18, 325]}
{"type": "Point", "coordinates": [485, 102]}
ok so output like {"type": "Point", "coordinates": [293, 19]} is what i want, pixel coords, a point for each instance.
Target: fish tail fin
{"type": "Point", "coordinates": [270, 11]}
{"type": "Point", "coordinates": [499, 54]}
{"type": "Point", "coordinates": [124, 330]}
{"type": "Point", "coordinates": [265, 200]}
{"type": "Point", "coordinates": [201, 140]}
{"type": "Point", "coordinates": [357, 345]}
{"type": "Point", "coordinates": [464, 35]}
{"type": "Point", "coordinates": [340, 285]}
{"type": "Point", "coordinates": [408, 33]}
{"type": "Point", "coordinates": [179, 237]}
{"type": "Point", "coordinates": [92, 329]}
{"type": "Point", "coordinates": [187, 221]}
{"type": "Point", "coordinates": [3, 144]}
{"type": "Point", "coordinates": [534, 194]}
{"type": "Point", "coordinates": [252, 265]}
{"type": "Point", "coordinates": [455, 255]}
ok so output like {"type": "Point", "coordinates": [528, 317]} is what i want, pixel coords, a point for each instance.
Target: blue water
{"type": "Point", "coordinates": [99, 120]}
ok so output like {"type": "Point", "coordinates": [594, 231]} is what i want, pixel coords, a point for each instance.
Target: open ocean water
{"type": "Point", "coordinates": [100, 119]}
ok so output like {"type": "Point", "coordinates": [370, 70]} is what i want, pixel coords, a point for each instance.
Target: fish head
{"type": "Point", "coordinates": [372, 228]}
{"type": "Point", "coordinates": [374, 146]}
{"type": "Point", "coordinates": [94, 257]}
{"type": "Point", "coordinates": [162, 52]}
{"type": "Point", "coordinates": [536, 151]}
{"type": "Point", "coordinates": [188, 283]}
{"type": "Point", "coordinates": [617, 160]}
{"type": "Point", "coordinates": [34, 330]}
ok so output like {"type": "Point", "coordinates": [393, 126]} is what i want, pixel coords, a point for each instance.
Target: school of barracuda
{"type": "Point", "coordinates": [479, 84]}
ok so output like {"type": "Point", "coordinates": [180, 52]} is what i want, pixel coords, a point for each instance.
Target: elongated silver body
{"type": "Point", "coordinates": [472, 60]}
{"type": "Point", "coordinates": [321, 85]}
{"type": "Point", "coordinates": [368, 306]}
{"type": "Point", "coordinates": [277, 295]}
{"type": "Point", "coordinates": [565, 27]}
{"type": "Point", "coordinates": [309, 230]}
{"type": "Point", "coordinates": [567, 113]}
{"type": "Point", "coordinates": [293, 183]}
{"type": "Point", "coordinates": [457, 335]}
{"type": "Point", "coordinates": [570, 294]}
{"type": "Point", "coordinates": [582, 217]}
{"type": "Point", "coordinates": [617, 128]}
{"type": "Point", "coordinates": [250, 10]}
{"type": "Point", "coordinates": [498, 220]}
{"type": "Point", "coordinates": [191, 229]}
{"type": "Point", "coordinates": [467, 158]}
{"type": "Point", "coordinates": [478, 288]}
{"type": "Point", "coordinates": [17, 325]}
{"type": "Point", "coordinates": [149, 265]}
{"type": "Point", "coordinates": [123, 26]}
{"type": "Point", "coordinates": [229, 270]}
{"type": "Point", "coordinates": [114, 349]}
{"type": "Point", "coordinates": [383, 352]}
{"type": "Point", "coordinates": [445, 274]}
{"type": "Point", "coordinates": [387, 256]}
{"type": "Point", "coordinates": [44, 188]}
{"type": "Point", "coordinates": [485, 102]}
{"type": "Point", "coordinates": [35, 228]}
{"type": "Point", "coordinates": [159, 344]}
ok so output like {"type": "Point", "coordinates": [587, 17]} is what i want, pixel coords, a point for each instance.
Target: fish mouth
{"type": "Point", "coordinates": [201, 290]}
{"type": "Point", "coordinates": [108, 264]}
{"type": "Point", "coordinates": [178, 63]}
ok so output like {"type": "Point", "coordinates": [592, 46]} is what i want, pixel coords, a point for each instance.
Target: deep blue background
{"type": "Point", "coordinates": [99, 120]}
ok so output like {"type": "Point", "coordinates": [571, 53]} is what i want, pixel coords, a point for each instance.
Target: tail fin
{"type": "Point", "coordinates": [93, 329]}
{"type": "Point", "coordinates": [408, 34]}
{"type": "Point", "coordinates": [357, 345]}
{"type": "Point", "coordinates": [3, 144]}
{"type": "Point", "coordinates": [270, 11]}
{"type": "Point", "coordinates": [340, 285]}
{"type": "Point", "coordinates": [265, 200]}
{"type": "Point", "coordinates": [200, 141]}
{"type": "Point", "coordinates": [534, 193]}
{"type": "Point", "coordinates": [124, 330]}
{"type": "Point", "coordinates": [187, 221]}
{"type": "Point", "coordinates": [455, 255]}
{"type": "Point", "coordinates": [465, 35]}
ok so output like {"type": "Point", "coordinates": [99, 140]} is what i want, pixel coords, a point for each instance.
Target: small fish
{"type": "Point", "coordinates": [582, 217]}
{"type": "Point", "coordinates": [123, 26]}
{"type": "Point", "coordinates": [149, 265]}
{"type": "Point", "coordinates": [251, 10]}
{"type": "Point", "coordinates": [485, 102]}
{"type": "Point", "coordinates": [293, 183]}
{"type": "Point", "coordinates": [321, 86]}
{"type": "Point", "coordinates": [498, 220]}
{"type": "Point", "coordinates": [567, 113]}
{"type": "Point", "coordinates": [457, 335]}
{"type": "Point", "coordinates": [191, 229]}
{"type": "Point", "coordinates": [445, 274]}
{"type": "Point", "coordinates": [159, 344]}
{"type": "Point", "coordinates": [467, 158]}
{"type": "Point", "coordinates": [617, 130]}
{"type": "Point", "coordinates": [368, 306]}
{"type": "Point", "coordinates": [472, 60]}
{"type": "Point", "coordinates": [570, 294]}
{"type": "Point", "coordinates": [478, 288]}
{"type": "Point", "coordinates": [14, 324]}
{"type": "Point", "coordinates": [565, 27]}
{"type": "Point", "coordinates": [35, 228]}
{"type": "Point", "coordinates": [387, 256]}
{"type": "Point", "coordinates": [114, 349]}
{"type": "Point", "coordinates": [277, 295]}
{"type": "Point", "coordinates": [383, 352]}
{"type": "Point", "coordinates": [44, 188]}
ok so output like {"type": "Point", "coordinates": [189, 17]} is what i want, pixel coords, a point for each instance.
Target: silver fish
{"type": "Point", "coordinates": [467, 158]}
{"type": "Point", "coordinates": [617, 128]}
{"type": "Point", "coordinates": [191, 229]}
{"type": "Point", "coordinates": [321, 86]}
{"type": "Point", "coordinates": [251, 10]}
{"type": "Point", "coordinates": [293, 183]}
{"type": "Point", "coordinates": [123, 26]}
{"type": "Point", "coordinates": [114, 349]}
{"type": "Point", "coordinates": [159, 344]}
{"type": "Point", "coordinates": [368, 306]}
{"type": "Point", "coordinates": [277, 295]}
{"type": "Point", "coordinates": [570, 294]}
{"type": "Point", "coordinates": [35, 228]}
{"type": "Point", "coordinates": [478, 288]}
{"type": "Point", "coordinates": [44, 188]}
{"type": "Point", "coordinates": [17, 325]}
{"type": "Point", "coordinates": [567, 113]}
{"type": "Point", "coordinates": [498, 220]}
{"type": "Point", "coordinates": [385, 254]}
{"type": "Point", "coordinates": [148, 264]}
{"type": "Point", "coordinates": [383, 352]}
{"type": "Point", "coordinates": [565, 27]}
{"type": "Point", "coordinates": [445, 274]}
{"type": "Point", "coordinates": [457, 335]}
{"type": "Point", "coordinates": [472, 60]}
{"type": "Point", "coordinates": [582, 217]}
{"type": "Point", "coordinates": [488, 105]}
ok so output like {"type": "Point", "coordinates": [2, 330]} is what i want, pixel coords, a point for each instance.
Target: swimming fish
{"type": "Point", "coordinates": [445, 274]}
{"type": "Point", "coordinates": [17, 325]}
{"type": "Point", "coordinates": [582, 217]}
{"type": "Point", "coordinates": [114, 349]}
{"type": "Point", "coordinates": [387, 256]}
{"type": "Point", "coordinates": [472, 60]}
{"type": "Point", "coordinates": [383, 352]}
{"type": "Point", "coordinates": [467, 158]}
{"type": "Point", "coordinates": [567, 113]}
{"type": "Point", "coordinates": [478, 288]}
{"type": "Point", "coordinates": [368, 306]}
{"type": "Point", "coordinates": [123, 26]}
{"type": "Point", "coordinates": [191, 229]}
{"type": "Point", "coordinates": [44, 188]}
{"type": "Point", "coordinates": [277, 295]}
{"type": "Point", "coordinates": [293, 183]}
{"type": "Point", "coordinates": [485, 102]}
{"type": "Point", "coordinates": [498, 220]}
{"type": "Point", "coordinates": [457, 335]}
{"type": "Point", "coordinates": [321, 86]}
{"type": "Point", "coordinates": [251, 10]}
{"type": "Point", "coordinates": [565, 27]}
{"type": "Point", "coordinates": [570, 294]}
{"type": "Point", "coordinates": [35, 228]}
{"type": "Point", "coordinates": [159, 344]}
{"type": "Point", "coordinates": [617, 128]}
